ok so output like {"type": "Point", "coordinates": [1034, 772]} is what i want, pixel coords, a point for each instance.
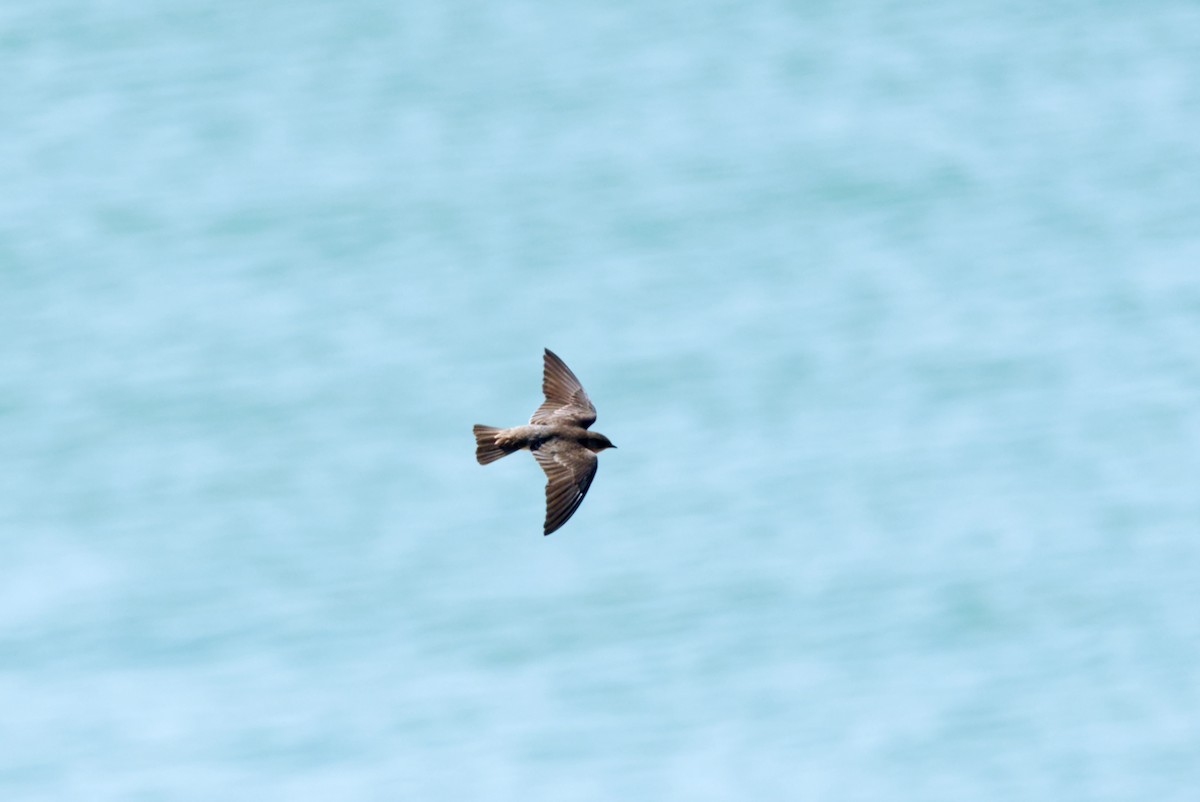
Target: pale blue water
{"type": "Point", "coordinates": [892, 309]}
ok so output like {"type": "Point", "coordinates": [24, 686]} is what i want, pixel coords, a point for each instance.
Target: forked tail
{"type": "Point", "coordinates": [486, 449]}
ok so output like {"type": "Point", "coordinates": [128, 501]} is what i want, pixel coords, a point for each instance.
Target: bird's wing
{"type": "Point", "coordinates": [569, 469]}
{"type": "Point", "coordinates": [566, 402]}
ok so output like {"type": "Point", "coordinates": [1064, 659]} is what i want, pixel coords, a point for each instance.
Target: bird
{"type": "Point", "coordinates": [557, 435]}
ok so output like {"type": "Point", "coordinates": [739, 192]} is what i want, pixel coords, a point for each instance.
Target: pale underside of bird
{"type": "Point", "coordinates": [559, 439]}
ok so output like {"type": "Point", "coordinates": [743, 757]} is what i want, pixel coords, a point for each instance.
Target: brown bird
{"type": "Point", "coordinates": [558, 436]}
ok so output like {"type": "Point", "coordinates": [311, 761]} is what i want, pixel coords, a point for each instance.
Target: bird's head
{"type": "Point", "coordinates": [597, 442]}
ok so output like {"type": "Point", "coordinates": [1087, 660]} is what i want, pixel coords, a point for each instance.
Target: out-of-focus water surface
{"type": "Point", "coordinates": [892, 309]}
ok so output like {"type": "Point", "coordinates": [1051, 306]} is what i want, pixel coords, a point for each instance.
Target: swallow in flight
{"type": "Point", "coordinates": [559, 439]}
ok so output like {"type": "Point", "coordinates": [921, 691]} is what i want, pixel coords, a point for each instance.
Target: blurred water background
{"type": "Point", "coordinates": [893, 310]}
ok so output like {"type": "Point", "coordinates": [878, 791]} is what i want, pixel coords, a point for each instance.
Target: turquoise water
{"type": "Point", "coordinates": [893, 312]}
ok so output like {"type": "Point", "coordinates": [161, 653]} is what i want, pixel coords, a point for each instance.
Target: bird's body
{"type": "Point", "coordinates": [559, 439]}
{"type": "Point", "coordinates": [533, 436]}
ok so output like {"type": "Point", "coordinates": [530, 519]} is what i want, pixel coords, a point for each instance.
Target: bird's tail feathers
{"type": "Point", "coordinates": [486, 449]}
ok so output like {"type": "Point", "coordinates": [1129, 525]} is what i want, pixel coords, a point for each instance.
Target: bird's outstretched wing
{"type": "Point", "coordinates": [569, 469]}
{"type": "Point", "coordinates": [566, 402]}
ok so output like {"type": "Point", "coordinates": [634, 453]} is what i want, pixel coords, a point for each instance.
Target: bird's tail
{"type": "Point", "coordinates": [486, 449]}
